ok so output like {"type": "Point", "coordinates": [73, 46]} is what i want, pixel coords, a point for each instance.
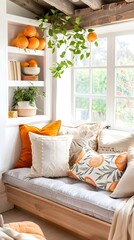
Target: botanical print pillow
{"type": "Point", "coordinates": [76, 149]}
{"type": "Point", "coordinates": [101, 170]}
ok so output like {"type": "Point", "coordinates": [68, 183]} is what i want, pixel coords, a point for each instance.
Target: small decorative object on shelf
{"type": "Point", "coordinates": [13, 114]}
{"type": "Point", "coordinates": [30, 70]}
{"type": "Point", "coordinates": [29, 78]}
{"type": "Point", "coordinates": [24, 101]}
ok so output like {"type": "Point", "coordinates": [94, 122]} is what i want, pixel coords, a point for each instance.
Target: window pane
{"type": "Point", "coordinates": [125, 50]}
{"type": "Point", "coordinates": [99, 54]}
{"type": "Point", "coordinates": [125, 82]}
{"type": "Point", "coordinates": [82, 80]}
{"type": "Point", "coordinates": [98, 110]}
{"type": "Point", "coordinates": [99, 81]}
{"type": "Point", "coordinates": [125, 112]}
{"type": "Point", "coordinates": [82, 63]}
{"type": "Point", "coordinates": [82, 108]}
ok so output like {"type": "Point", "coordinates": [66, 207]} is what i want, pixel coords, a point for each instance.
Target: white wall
{"type": "Point", "coordinates": [9, 135]}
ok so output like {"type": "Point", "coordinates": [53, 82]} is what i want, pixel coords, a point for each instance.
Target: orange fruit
{"type": "Point", "coordinates": [91, 37]}
{"type": "Point", "coordinates": [13, 42]}
{"type": "Point", "coordinates": [29, 31]}
{"type": "Point", "coordinates": [33, 65]}
{"type": "Point", "coordinates": [33, 62]}
{"type": "Point", "coordinates": [22, 42]}
{"type": "Point", "coordinates": [37, 34]}
{"type": "Point", "coordinates": [70, 174]}
{"type": "Point", "coordinates": [20, 34]}
{"type": "Point", "coordinates": [121, 161]}
{"type": "Point", "coordinates": [80, 156]}
{"type": "Point", "coordinates": [33, 43]}
{"type": "Point", "coordinates": [113, 186]}
{"type": "Point", "coordinates": [42, 44]}
{"type": "Point", "coordinates": [24, 64]}
{"type": "Point", "coordinates": [89, 180]}
{"type": "Point", "coordinates": [96, 161]}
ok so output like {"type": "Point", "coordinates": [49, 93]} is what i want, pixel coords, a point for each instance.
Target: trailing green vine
{"type": "Point", "coordinates": [74, 41]}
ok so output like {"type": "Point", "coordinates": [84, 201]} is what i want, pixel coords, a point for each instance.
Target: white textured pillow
{"type": "Point", "coordinates": [125, 187]}
{"type": "Point", "coordinates": [111, 141]}
{"type": "Point", "coordinates": [50, 155]}
{"type": "Point", "coordinates": [88, 131]}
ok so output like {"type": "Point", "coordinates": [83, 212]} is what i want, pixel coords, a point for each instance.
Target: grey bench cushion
{"type": "Point", "coordinates": [69, 192]}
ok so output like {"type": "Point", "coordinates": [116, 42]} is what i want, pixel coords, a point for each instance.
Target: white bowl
{"type": "Point", "coordinates": [30, 70]}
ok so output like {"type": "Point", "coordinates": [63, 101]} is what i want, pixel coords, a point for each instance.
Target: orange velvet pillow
{"type": "Point", "coordinates": [51, 129]}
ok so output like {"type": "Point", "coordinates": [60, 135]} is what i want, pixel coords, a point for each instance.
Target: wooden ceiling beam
{"type": "Point", "coordinates": [110, 13]}
{"type": "Point", "coordinates": [64, 6]}
{"type": "Point", "coordinates": [129, 1]}
{"type": "Point", "coordinates": [31, 6]}
{"type": "Point", "coordinates": [97, 4]}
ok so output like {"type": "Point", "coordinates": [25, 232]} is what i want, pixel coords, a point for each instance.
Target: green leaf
{"type": "Point", "coordinates": [72, 43]}
{"type": "Point", "coordinates": [49, 44]}
{"type": "Point", "coordinates": [81, 56]}
{"type": "Point", "coordinates": [40, 25]}
{"type": "Point", "coordinates": [68, 18]}
{"type": "Point", "coordinates": [78, 20]}
{"type": "Point", "coordinates": [62, 55]}
{"type": "Point", "coordinates": [77, 51]}
{"type": "Point", "coordinates": [50, 32]}
{"type": "Point", "coordinates": [87, 54]}
{"type": "Point", "coordinates": [53, 50]}
{"type": "Point", "coordinates": [90, 30]}
{"type": "Point", "coordinates": [96, 44]}
{"type": "Point", "coordinates": [70, 63]}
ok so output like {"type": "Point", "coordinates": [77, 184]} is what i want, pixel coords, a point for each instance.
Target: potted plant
{"type": "Point", "coordinates": [24, 101]}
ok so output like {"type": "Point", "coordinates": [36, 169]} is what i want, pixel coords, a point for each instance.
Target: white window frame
{"type": "Point", "coordinates": [110, 32]}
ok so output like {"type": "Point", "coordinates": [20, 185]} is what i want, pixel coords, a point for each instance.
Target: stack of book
{"type": "Point", "coordinates": [14, 70]}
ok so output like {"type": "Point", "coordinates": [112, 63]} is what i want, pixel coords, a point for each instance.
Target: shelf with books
{"type": "Point", "coordinates": [17, 56]}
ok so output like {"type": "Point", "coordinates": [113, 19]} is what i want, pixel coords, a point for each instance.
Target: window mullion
{"type": "Point", "coordinates": [110, 108]}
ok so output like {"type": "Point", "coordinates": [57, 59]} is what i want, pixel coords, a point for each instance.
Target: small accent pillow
{"type": "Point", "coordinates": [87, 131]}
{"type": "Point", "coordinates": [101, 170]}
{"type": "Point", "coordinates": [25, 160]}
{"type": "Point", "coordinates": [27, 227]}
{"type": "Point", "coordinates": [125, 188]}
{"type": "Point", "coordinates": [112, 141]}
{"type": "Point", "coordinates": [50, 155]}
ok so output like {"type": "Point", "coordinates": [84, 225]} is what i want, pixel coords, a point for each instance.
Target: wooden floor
{"type": "Point", "coordinates": [51, 231]}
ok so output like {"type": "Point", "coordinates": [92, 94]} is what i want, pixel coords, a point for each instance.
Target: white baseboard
{"type": "Point", "coordinates": [4, 204]}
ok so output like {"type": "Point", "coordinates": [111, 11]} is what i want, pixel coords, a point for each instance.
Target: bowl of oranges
{"type": "Point", "coordinates": [30, 67]}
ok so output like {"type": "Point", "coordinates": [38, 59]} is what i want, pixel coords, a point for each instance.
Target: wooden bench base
{"type": "Point", "coordinates": [81, 224]}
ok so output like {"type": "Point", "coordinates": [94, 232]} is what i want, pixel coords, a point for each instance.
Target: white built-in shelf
{"type": "Point", "coordinates": [15, 25]}
{"type": "Point", "coordinates": [23, 21]}
{"type": "Point", "coordinates": [25, 83]}
{"type": "Point", "coordinates": [25, 52]}
{"type": "Point", "coordinates": [26, 120]}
